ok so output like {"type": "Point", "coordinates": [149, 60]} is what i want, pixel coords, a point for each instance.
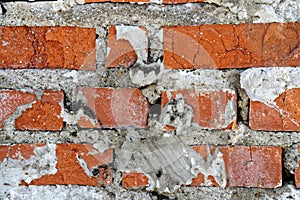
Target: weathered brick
{"type": "Point", "coordinates": [47, 47]}
{"type": "Point", "coordinates": [231, 46]}
{"type": "Point", "coordinates": [126, 45]}
{"type": "Point", "coordinates": [255, 166]}
{"type": "Point", "coordinates": [134, 179]}
{"type": "Point", "coordinates": [284, 115]}
{"type": "Point", "coordinates": [80, 164]}
{"type": "Point", "coordinates": [115, 108]}
{"type": "Point", "coordinates": [212, 110]}
{"type": "Point", "coordinates": [44, 114]}
{"type": "Point", "coordinates": [10, 101]}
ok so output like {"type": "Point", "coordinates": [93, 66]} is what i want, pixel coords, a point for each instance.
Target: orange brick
{"type": "Point", "coordinates": [283, 116]}
{"type": "Point", "coordinates": [22, 151]}
{"type": "Point", "coordinates": [47, 47]}
{"type": "Point", "coordinates": [134, 179]}
{"type": "Point", "coordinates": [10, 100]}
{"type": "Point", "coordinates": [256, 166]}
{"type": "Point", "coordinates": [3, 152]}
{"type": "Point", "coordinates": [115, 108]}
{"type": "Point", "coordinates": [231, 46]}
{"type": "Point", "coordinates": [70, 171]}
{"type": "Point", "coordinates": [43, 115]}
{"type": "Point", "coordinates": [209, 107]}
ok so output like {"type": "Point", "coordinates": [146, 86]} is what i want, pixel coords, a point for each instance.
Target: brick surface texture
{"type": "Point", "coordinates": [43, 114]}
{"type": "Point", "coordinates": [209, 107]}
{"type": "Point", "coordinates": [231, 46]}
{"type": "Point", "coordinates": [115, 108]}
{"type": "Point", "coordinates": [86, 110]}
{"type": "Point", "coordinates": [245, 167]}
{"type": "Point", "coordinates": [69, 170]}
{"type": "Point", "coordinates": [47, 47]}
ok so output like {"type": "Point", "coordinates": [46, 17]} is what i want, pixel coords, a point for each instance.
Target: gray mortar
{"type": "Point", "coordinates": [153, 16]}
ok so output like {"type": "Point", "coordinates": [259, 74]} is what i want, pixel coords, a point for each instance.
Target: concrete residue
{"type": "Point", "coordinates": [138, 39]}
{"type": "Point", "coordinates": [203, 79]}
{"type": "Point", "coordinates": [145, 74]}
{"type": "Point", "coordinates": [177, 114]}
{"type": "Point", "coordinates": [168, 162]}
{"type": "Point", "coordinates": [269, 83]}
{"type": "Point", "coordinates": [291, 158]}
{"type": "Point", "coordinates": [13, 171]}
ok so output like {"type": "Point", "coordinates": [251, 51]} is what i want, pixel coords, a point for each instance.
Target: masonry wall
{"type": "Point", "coordinates": [149, 99]}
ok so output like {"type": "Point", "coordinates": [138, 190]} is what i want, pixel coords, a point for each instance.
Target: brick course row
{"type": "Point", "coordinates": [83, 164]}
{"type": "Point", "coordinates": [185, 47]}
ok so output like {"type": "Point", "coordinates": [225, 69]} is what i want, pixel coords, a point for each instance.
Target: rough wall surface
{"type": "Point", "coordinates": [149, 100]}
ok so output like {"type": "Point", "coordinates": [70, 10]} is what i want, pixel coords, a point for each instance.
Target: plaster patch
{"type": "Point", "coordinates": [177, 113]}
{"type": "Point", "coordinates": [13, 171]}
{"type": "Point", "coordinates": [266, 84]}
{"type": "Point", "coordinates": [203, 79]}
{"type": "Point", "coordinates": [230, 113]}
{"type": "Point", "coordinates": [168, 162]}
{"type": "Point", "coordinates": [145, 74]}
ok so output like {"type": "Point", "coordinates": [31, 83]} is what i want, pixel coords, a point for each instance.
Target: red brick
{"type": "Point", "coordinates": [283, 116]}
{"type": "Point", "coordinates": [134, 179]}
{"type": "Point", "coordinates": [115, 108]}
{"type": "Point", "coordinates": [208, 107]}
{"type": "Point", "coordinates": [10, 101]}
{"type": "Point", "coordinates": [3, 152]}
{"type": "Point", "coordinates": [297, 172]}
{"type": "Point", "coordinates": [121, 53]}
{"type": "Point", "coordinates": [231, 46]}
{"type": "Point", "coordinates": [47, 47]}
{"type": "Point", "coordinates": [43, 115]}
{"type": "Point", "coordinates": [69, 170]}
{"type": "Point", "coordinates": [256, 166]}
{"type": "Point", "coordinates": [22, 151]}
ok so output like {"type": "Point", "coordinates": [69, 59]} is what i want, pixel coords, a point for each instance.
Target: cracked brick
{"type": "Point", "coordinates": [231, 46]}
{"type": "Point", "coordinates": [255, 166]}
{"type": "Point", "coordinates": [47, 47]}
{"type": "Point", "coordinates": [284, 115]}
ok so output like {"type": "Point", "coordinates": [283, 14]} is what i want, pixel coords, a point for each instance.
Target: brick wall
{"type": "Point", "coordinates": [149, 109]}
